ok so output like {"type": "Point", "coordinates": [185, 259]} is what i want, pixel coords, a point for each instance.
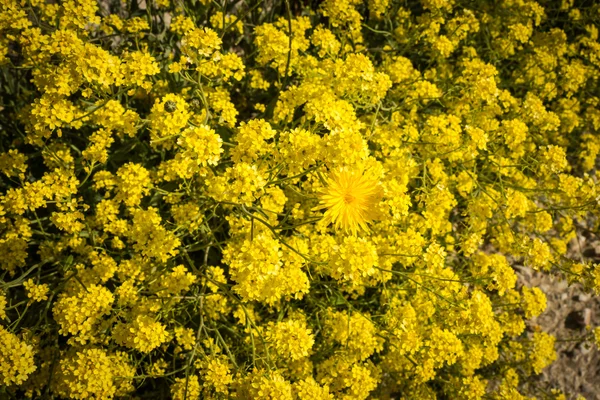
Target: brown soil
{"type": "Point", "coordinates": [570, 314]}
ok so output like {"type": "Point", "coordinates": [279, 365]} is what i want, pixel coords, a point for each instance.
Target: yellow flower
{"type": "Point", "coordinates": [351, 200]}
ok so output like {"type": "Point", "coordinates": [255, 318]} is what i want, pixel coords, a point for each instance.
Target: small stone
{"type": "Point", "coordinates": [587, 316]}
{"type": "Point", "coordinates": [585, 348]}
{"type": "Point", "coordinates": [584, 297]}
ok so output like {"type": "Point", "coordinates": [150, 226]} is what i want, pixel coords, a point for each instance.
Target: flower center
{"type": "Point", "coordinates": [348, 198]}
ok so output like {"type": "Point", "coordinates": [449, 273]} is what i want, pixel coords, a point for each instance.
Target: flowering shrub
{"type": "Point", "coordinates": [290, 200]}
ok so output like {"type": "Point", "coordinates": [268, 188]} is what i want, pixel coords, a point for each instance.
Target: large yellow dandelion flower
{"type": "Point", "coordinates": [351, 200]}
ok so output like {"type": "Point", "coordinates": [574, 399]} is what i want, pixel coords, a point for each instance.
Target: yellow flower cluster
{"type": "Point", "coordinates": [36, 292]}
{"type": "Point", "coordinates": [260, 273]}
{"type": "Point", "coordinates": [291, 339]}
{"type": "Point", "coordinates": [94, 374]}
{"type": "Point", "coordinates": [79, 313]}
{"type": "Point", "coordinates": [143, 334]}
{"type": "Point", "coordinates": [216, 374]}
{"type": "Point", "coordinates": [16, 359]}
{"type": "Point", "coordinates": [289, 200]}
